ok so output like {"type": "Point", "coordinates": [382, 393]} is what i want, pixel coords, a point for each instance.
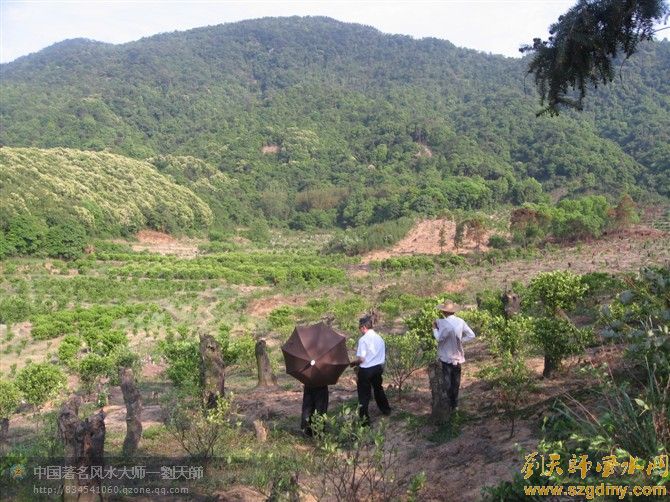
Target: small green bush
{"type": "Point", "coordinates": [10, 398]}
{"type": "Point", "coordinates": [498, 242]}
{"type": "Point", "coordinates": [183, 363]}
{"type": "Point", "coordinates": [40, 382]}
{"type": "Point", "coordinates": [14, 308]}
{"type": "Point", "coordinates": [68, 350]}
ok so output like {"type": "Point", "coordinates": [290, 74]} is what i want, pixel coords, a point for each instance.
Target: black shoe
{"type": "Point", "coordinates": [387, 412]}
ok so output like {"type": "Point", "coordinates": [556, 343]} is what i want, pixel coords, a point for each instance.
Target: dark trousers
{"type": "Point", "coordinates": [452, 381]}
{"type": "Point", "coordinates": [369, 380]}
{"type": "Point", "coordinates": [314, 400]}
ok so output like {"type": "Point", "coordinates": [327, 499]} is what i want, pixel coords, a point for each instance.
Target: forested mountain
{"type": "Point", "coordinates": [318, 122]}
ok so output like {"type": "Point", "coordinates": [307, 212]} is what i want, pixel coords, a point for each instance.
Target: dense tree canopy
{"type": "Point", "coordinates": [310, 122]}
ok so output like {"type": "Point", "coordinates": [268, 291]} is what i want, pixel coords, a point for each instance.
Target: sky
{"type": "Point", "coordinates": [496, 26]}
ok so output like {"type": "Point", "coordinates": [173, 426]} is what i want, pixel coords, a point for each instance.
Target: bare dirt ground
{"type": "Point", "coordinates": [162, 243]}
{"type": "Point", "coordinates": [261, 307]}
{"type": "Point", "coordinates": [625, 251]}
{"type": "Point", "coordinates": [424, 238]}
{"type": "Point", "coordinates": [457, 469]}
{"type": "Point", "coordinates": [615, 253]}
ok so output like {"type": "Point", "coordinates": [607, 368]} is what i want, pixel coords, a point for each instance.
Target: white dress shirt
{"type": "Point", "coordinates": [450, 334]}
{"type": "Point", "coordinates": [372, 349]}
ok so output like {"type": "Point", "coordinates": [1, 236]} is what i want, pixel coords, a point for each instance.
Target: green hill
{"type": "Point", "coordinates": [101, 192]}
{"type": "Point", "coordinates": [323, 123]}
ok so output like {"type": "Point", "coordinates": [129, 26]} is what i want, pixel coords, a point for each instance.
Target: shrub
{"type": "Point", "coordinates": [104, 343]}
{"type": "Point", "coordinates": [557, 292]}
{"type": "Point", "coordinates": [92, 367]}
{"type": "Point", "coordinates": [421, 322]}
{"type": "Point", "coordinates": [68, 350]}
{"type": "Point", "coordinates": [558, 339]}
{"type": "Point", "coordinates": [183, 363]}
{"type": "Point", "coordinates": [66, 240]}
{"type": "Point", "coordinates": [405, 355]}
{"type": "Point", "coordinates": [498, 242]}
{"type": "Point", "coordinates": [356, 462]}
{"type": "Point", "coordinates": [27, 234]}
{"type": "Point", "coordinates": [14, 308]}
{"type": "Point", "coordinates": [201, 431]}
{"type": "Point", "coordinates": [10, 398]}
{"type": "Point", "coordinates": [6, 248]}
{"type": "Point", "coordinates": [40, 382]}
{"type": "Point", "coordinates": [511, 381]}
{"type": "Point", "coordinates": [239, 351]}
{"type": "Point", "coordinates": [364, 239]}
{"type": "Point", "coordinates": [258, 232]}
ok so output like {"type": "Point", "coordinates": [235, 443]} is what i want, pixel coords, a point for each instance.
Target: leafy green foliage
{"type": "Point", "coordinates": [396, 127]}
{"type": "Point", "coordinates": [583, 45]}
{"type": "Point", "coordinates": [10, 398]}
{"type": "Point", "coordinates": [26, 234]}
{"type": "Point", "coordinates": [421, 322]}
{"type": "Point", "coordinates": [569, 220]}
{"type": "Point", "coordinates": [511, 380]}
{"type": "Point", "coordinates": [14, 308]}
{"type": "Point", "coordinates": [202, 432]}
{"type": "Point", "coordinates": [69, 349]}
{"type": "Point", "coordinates": [88, 192]}
{"type": "Point", "coordinates": [556, 291]}
{"type": "Point", "coordinates": [345, 312]}
{"type": "Point", "coordinates": [39, 382]}
{"type": "Point", "coordinates": [420, 262]}
{"type": "Point", "coordinates": [405, 355]}
{"type": "Point", "coordinates": [362, 240]}
{"type": "Point", "coordinates": [639, 315]}
{"type": "Point", "coordinates": [183, 366]}
{"type": "Point", "coordinates": [256, 268]}
{"type": "Point", "coordinates": [237, 351]}
{"type": "Point", "coordinates": [552, 295]}
{"type": "Point", "coordinates": [66, 240]}
{"type": "Point", "coordinates": [90, 322]}
{"type": "Point", "coordinates": [356, 462]}
{"type": "Point", "coordinates": [558, 339]}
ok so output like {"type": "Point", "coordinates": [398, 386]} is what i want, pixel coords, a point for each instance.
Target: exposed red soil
{"type": "Point", "coordinates": [424, 238]}
{"type": "Point", "coordinates": [166, 244]}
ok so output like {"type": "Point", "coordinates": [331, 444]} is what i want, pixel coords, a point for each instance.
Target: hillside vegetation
{"type": "Point", "coordinates": [102, 193]}
{"type": "Point", "coordinates": [324, 124]}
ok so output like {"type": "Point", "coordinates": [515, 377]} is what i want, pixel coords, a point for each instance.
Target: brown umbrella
{"type": "Point", "coordinates": [316, 355]}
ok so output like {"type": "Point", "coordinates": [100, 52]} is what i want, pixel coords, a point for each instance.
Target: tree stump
{"type": "Point", "coordinates": [439, 402]}
{"type": "Point", "coordinates": [511, 304]}
{"type": "Point", "coordinates": [4, 433]}
{"type": "Point", "coordinates": [212, 370]}
{"type": "Point", "coordinates": [133, 401]}
{"type": "Point", "coordinates": [84, 445]}
{"type": "Point", "coordinates": [265, 376]}
{"type": "Point", "coordinates": [261, 431]}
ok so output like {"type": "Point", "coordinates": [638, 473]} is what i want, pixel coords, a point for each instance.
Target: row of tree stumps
{"type": "Point", "coordinates": [213, 369]}
{"type": "Point", "coordinates": [84, 439]}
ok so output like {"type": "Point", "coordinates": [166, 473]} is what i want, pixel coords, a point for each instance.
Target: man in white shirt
{"type": "Point", "coordinates": [370, 358]}
{"type": "Point", "coordinates": [450, 332]}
